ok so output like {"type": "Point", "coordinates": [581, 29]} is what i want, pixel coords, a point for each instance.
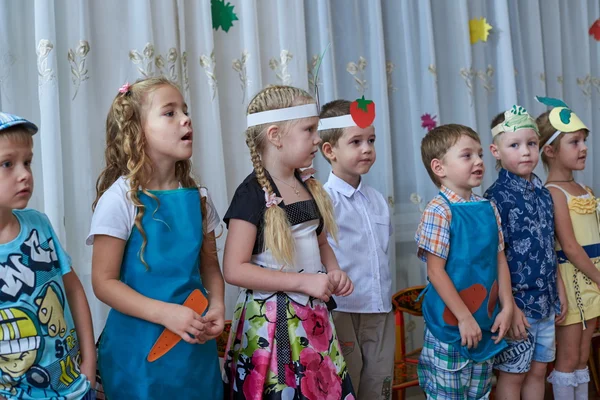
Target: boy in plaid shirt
{"type": "Point", "coordinates": [460, 238]}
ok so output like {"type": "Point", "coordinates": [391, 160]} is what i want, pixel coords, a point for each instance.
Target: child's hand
{"type": "Point", "coordinates": [342, 285]}
{"type": "Point", "coordinates": [502, 324]}
{"type": "Point", "coordinates": [182, 321]}
{"type": "Point", "coordinates": [470, 332]}
{"type": "Point", "coordinates": [318, 286]}
{"type": "Point", "coordinates": [88, 368]}
{"type": "Point", "coordinates": [518, 328]}
{"type": "Point", "coordinates": [214, 322]}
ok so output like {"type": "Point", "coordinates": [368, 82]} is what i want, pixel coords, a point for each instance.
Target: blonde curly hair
{"type": "Point", "coordinates": [125, 153]}
{"type": "Point", "coordinates": [277, 230]}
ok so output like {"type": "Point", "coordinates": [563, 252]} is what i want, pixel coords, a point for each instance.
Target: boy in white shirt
{"type": "Point", "coordinates": [364, 320]}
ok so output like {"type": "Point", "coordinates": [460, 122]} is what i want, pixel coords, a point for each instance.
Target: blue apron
{"type": "Point", "coordinates": [472, 266]}
{"type": "Point", "coordinates": [188, 371]}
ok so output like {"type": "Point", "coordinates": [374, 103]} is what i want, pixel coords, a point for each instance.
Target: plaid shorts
{"type": "Point", "coordinates": [445, 374]}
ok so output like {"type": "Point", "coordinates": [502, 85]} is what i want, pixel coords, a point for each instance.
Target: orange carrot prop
{"type": "Point", "coordinates": [167, 339]}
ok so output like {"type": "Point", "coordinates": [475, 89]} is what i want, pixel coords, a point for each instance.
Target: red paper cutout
{"type": "Point", "coordinates": [362, 112]}
{"type": "Point", "coordinates": [595, 30]}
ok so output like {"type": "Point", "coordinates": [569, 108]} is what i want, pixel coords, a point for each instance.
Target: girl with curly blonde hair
{"type": "Point", "coordinates": [153, 245]}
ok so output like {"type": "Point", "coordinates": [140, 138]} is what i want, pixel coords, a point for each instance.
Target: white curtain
{"type": "Point", "coordinates": [62, 62]}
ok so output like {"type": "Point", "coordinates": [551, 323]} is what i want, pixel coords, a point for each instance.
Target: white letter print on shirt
{"type": "Point", "coordinates": [42, 259]}
{"type": "Point", "coordinates": [17, 278]}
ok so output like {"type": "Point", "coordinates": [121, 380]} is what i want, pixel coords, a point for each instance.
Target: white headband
{"type": "Point", "coordinates": [552, 139]}
{"type": "Point", "coordinates": [343, 121]}
{"type": "Point", "coordinates": [282, 114]}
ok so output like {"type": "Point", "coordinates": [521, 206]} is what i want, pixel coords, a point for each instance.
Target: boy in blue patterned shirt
{"type": "Point", "coordinates": [460, 238]}
{"type": "Point", "coordinates": [46, 338]}
{"type": "Point", "coordinates": [526, 210]}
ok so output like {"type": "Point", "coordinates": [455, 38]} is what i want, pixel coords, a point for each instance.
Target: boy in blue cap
{"type": "Point", "coordinates": [46, 336]}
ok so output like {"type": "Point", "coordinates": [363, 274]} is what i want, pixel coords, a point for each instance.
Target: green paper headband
{"type": "Point", "coordinates": [514, 119]}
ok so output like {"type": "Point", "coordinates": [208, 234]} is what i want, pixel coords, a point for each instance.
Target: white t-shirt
{"type": "Point", "coordinates": [115, 213]}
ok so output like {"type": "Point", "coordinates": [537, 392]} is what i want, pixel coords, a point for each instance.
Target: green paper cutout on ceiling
{"type": "Point", "coordinates": [222, 15]}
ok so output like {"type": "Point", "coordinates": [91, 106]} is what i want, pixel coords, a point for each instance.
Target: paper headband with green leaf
{"type": "Point", "coordinates": [514, 119]}
{"type": "Point", "coordinates": [561, 117]}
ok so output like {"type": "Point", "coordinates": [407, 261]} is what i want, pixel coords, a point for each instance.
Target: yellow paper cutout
{"type": "Point", "coordinates": [479, 30]}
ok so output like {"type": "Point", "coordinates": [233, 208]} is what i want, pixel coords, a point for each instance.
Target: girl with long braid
{"type": "Point", "coordinates": [283, 342]}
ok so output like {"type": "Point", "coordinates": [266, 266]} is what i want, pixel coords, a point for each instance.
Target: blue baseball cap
{"type": "Point", "coordinates": [9, 120]}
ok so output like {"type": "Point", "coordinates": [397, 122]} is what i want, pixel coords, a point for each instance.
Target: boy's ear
{"type": "Point", "coordinates": [328, 152]}
{"type": "Point", "coordinates": [495, 152]}
{"type": "Point", "coordinates": [438, 168]}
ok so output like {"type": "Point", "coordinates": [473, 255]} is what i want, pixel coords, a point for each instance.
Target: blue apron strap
{"type": "Point", "coordinates": [444, 197]}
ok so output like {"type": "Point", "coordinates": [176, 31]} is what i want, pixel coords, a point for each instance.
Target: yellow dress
{"type": "Point", "coordinates": [583, 295]}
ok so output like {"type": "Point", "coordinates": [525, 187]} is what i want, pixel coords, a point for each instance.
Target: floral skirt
{"type": "Point", "coordinates": [280, 349]}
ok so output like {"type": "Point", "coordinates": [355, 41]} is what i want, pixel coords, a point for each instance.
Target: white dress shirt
{"type": "Point", "coordinates": [365, 228]}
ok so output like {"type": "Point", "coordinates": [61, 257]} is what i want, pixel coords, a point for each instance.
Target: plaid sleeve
{"type": "Point", "coordinates": [433, 234]}
{"type": "Point", "coordinates": [499, 222]}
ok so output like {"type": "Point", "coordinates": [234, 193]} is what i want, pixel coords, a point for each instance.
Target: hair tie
{"type": "Point", "coordinates": [125, 89]}
{"type": "Point", "coordinates": [307, 174]}
{"type": "Point", "coordinates": [271, 199]}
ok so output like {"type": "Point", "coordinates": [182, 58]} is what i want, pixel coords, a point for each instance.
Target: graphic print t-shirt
{"type": "Point", "coordinates": [39, 350]}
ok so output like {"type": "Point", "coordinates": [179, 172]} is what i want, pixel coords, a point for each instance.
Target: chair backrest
{"type": "Point", "coordinates": [405, 301]}
{"type": "Point", "coordinates": [222, 339]}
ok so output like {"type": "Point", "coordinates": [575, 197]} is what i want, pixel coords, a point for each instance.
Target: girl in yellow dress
{"type": "Point", "coordinates": [576, 209]}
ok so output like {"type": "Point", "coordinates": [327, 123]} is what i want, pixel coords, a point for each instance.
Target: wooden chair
{"type": "Point", "coordinates": [405, 364]}
{"type": "Point", "coordinates": [222, 339]}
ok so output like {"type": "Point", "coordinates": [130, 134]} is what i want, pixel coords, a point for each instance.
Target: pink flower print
{"type": "Point", "coordinates": [320, 380]}
{"type": "Point", "coordinates": [255, 381]}
{"type": "Point", "coordinates": [317, 327]}
{"type": "Point", "coordinates": [273, 360]}
{"type": "Point", "coordinates": [271, 316]}
{"type": "Point", "coordinates": [290, 377]}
